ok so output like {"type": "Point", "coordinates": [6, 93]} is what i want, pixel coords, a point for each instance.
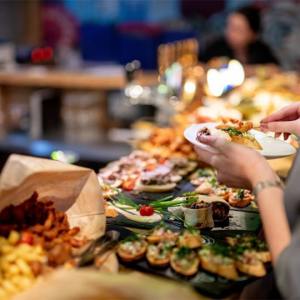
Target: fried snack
{"type": "Point", "coordinates": [20, 264]}
{"type": "Point", "coordinates": [168, 142]}
{"type": "Point", "coordinates": [41, 224]}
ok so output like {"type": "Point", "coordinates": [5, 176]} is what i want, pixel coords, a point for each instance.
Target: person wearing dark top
{"type": "Point", "coordinates": [278, 205]}
{"type": "Point", "coordinates": [241, 40]}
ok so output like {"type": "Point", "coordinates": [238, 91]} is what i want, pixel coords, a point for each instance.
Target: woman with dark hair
{"type": "Point", "coordinates": [241, 40]}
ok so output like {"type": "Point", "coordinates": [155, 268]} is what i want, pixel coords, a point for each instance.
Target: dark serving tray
{"type": "Point", "coordinates": [204, 282]}
{"type": "Point", "coordinates": [240, 221]}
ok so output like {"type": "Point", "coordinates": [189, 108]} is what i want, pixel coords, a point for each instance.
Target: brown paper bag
{"type": "Point", "coordinates": [73, 189]}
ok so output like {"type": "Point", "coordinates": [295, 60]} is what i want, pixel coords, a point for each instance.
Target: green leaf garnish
{"type": "Point", "coordinates": [232, 131]}
{"type": "Point", "coordinates": [183, 252]}
{"type": "Point", "coordinates": [213, 181]}
{"type": "Point", "coordinates": [241, 194]}
{"type": "Point", "coordinates": [132, 238]}
{"type": "Point", "coordinates": [219, 249]}
{"type": "Point", "coordinates": [205, 172]}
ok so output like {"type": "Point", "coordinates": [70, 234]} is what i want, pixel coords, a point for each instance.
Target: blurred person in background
{"type": "Point", "coordinates": [241, 40]}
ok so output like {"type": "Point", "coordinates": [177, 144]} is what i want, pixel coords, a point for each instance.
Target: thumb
{"type": "Point", "coordinates": [219, 143]}
{"type": "Point", "coordinates": [284, 126]}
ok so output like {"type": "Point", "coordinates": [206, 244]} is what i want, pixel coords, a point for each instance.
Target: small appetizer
{"type": "Point", "coordinates": [239, 198]}
{"type": "Point", "coordinates": [249, 264]}
{"type": "Point", "coordinates": [162, 233]}
{"type": "Point", "coordinates": [238, 132]}
{"type": "Point", "coordinates": [216, 259]}
{"type": "Point", "coordinates": [190, 238]}
{"type": "Point", "coordinates": [205, 187]}
{"type": "Point", "coordinates": [159, 255]}
{"type": "Point", "coordinates": [131, 249]}
{"type": "Point", "coordinates": [199, 214]}
{"type": "Point", "coordinates": [184, 261]}
{"type": "Point", "coordinates": [254, 246]}
{"type": "Point", "coordinates": [201, 174]}
{"type": "Point", "coordinates": [205, 180]}
{"type": "Point", "coordinates": [232, 130]}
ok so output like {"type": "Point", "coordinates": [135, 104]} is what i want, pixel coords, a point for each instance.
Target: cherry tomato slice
{"type": "Point", "coordinates": [146, 210]}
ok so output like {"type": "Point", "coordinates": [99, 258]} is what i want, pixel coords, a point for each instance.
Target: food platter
{"type": "Point", "coordinates": [272, 148]}
{"type": "Point", "coordinates": [241, 219]}
{"type": "Point", "coordinates": [203, 281]}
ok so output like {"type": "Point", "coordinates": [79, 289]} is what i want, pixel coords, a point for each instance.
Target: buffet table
{"type": "Point", "coordinates": [158, 211]}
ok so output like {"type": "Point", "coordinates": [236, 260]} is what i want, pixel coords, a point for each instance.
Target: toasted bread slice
{"type": "Point", "coordinates": [264, 256]}
{"type": "Point", "coordinates": [226, 270]}
{"type": "Point", "coordinates": [255, 268]}
{"type": "Point", "coordinates": [190, 241]}
{"type": "Point", "coordinates": [156, 261]}
{"type": "Point", "coordinates": [155, 258]}
{"type": "Point", "coordinates": [169, 236]}
{"type": "Point", "coordinates": [129, 257]}
{"type": "Point", "coordinates": [176, 265]}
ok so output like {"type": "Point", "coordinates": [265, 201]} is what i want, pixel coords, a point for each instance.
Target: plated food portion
{"type": "Point", "coordinates": [240, 132]}
{"type": "Point", "coordinates": [187, 253]}
{"type": "Point", "coordinates": [144, 172]}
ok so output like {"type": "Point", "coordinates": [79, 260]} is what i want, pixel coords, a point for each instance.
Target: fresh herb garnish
{"type": "Point", "coordinates": [205, 172]}
{"type": "Point", "coordinates": [232, 131]}
{"type": "Point", "coordinates": [213, 181]}
{"type": "Point", "coordinates": [241, 194]}
{"type": "Point", "coordinates": [132, 238]}
{"type": "Point", "coordinates": [183, 252]}
{"type": "Point", "coordinates": [220, 249]}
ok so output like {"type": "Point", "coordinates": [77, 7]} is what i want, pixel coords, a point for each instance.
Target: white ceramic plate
{"type": "Point", "coordinates": [271, 148]}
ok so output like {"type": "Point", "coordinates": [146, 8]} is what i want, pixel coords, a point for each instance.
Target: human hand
{"type": "Point", "coordinates": [236, 165]}
{"type": "Point", "coordinates": [286, 121]}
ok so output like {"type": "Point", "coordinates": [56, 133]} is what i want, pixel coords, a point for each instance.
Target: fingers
{"type": "Point", "coordinates": [286, 111]}
{"type": "Point", "coordinates": [219, 143]}
{"type": "Point", "coordinates": [205, 156]}
{"type": "Point", "coordinates": [285, 126]}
